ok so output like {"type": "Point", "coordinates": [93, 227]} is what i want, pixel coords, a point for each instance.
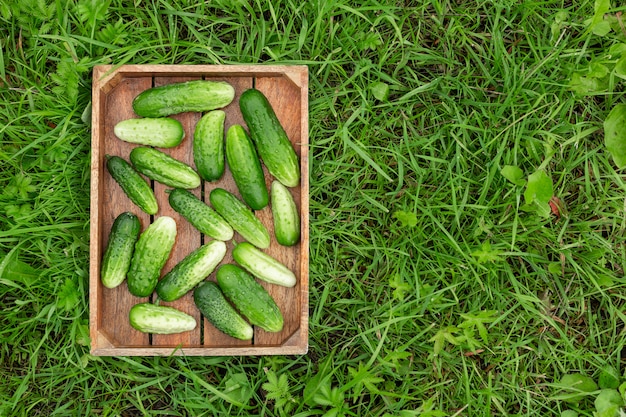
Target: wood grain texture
{"type": "Point", "coordinates": [113, 91]}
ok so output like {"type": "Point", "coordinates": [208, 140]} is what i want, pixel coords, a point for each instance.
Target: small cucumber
{"type": "Point", "coordinates": [133, 184]}
{"type": "Point", "coordinates": [190, 96]}
{"type": "Point", "coordinates": [213, 305]}
{"type": "Point", "coordinates": [240, 217]}
{"type": "Point", "coordinates": [208, 145]}
{"type": "Point", "coordinates": [262, 265]}
{"type": "Point", "coordinates": [285, 215]}
{"type": "Point", "coordinates": [189, 272]}
{"type": "Point", "coordinates": [245, 165]}
{"type": "Point", "coordinates": [119, 251]}
{"type": "Point", "coordinates": [151, 253]}
{"type": "Point", "coordinates": [270, 137]}
{"type": "Point", "coordinates": [249, 298]}
{"type": "Point", "coordinates": [150, 318]}
{"type": "Point", "coordinates": [162, 132]}
{"type": "Point", "coordinates": [161, 167]}
{"type": "Point", "coordinates": [200, 215]}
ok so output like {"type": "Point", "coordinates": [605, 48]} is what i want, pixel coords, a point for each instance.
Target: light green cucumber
{"type": "Point", "coordinates": [249, 298]}
{"type": "Point", "coordinates": [189, 272]}
{"type": "Point", "coordinates": [151, 253]}
{"type": "Point", "coordinates": [190, 96]}
{"type": "Point", "coordinates": [162, 132]}
{"type": "Point", "coordinates": [240, 217]}
{"type": "Point", "coordinates": [208, 145]}
{"type": "Point", "coordinates": [285, 215]}
{"type": "Point", "coordinates": [132, 184]}
{"type": "Point", "coordinates": [262, 265]}
{"type": "Point", "coordinates": [200, 215]}
{"type": "Point", "coordinates": [161, 167]}
{"type": "Point", "coordinates": [119, 250]}
{"type": "Point", "coordinates": [213, 305]}
{"type": "Point", "coordinates": [150, 318]}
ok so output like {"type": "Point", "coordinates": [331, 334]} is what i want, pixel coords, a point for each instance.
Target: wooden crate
{"type": "Point", "coordinates": [114, 88]}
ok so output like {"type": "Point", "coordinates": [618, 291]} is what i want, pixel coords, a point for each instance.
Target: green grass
{"type": "Point", "coordinates": [477, 310]}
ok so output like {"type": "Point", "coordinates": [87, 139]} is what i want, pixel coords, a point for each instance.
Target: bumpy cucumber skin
{"type": "Point", "coordinates": [161, 167]}
{"type": "Point", "coordinates": [285, 215]}
{"type": "Point", "coordinates": [208, 145]}
{"type": "Point", "coordinates": [213, 305]}
{"type": "Point", "coordinates": [249, 298]}
{"type": "Point", "coordinates": [190, 96]}
{"type": "Point", "coordinates": [133, 184]}
{"type": "Point", "coordinates": [245, 165]}
{"type": "Point", "coordinates": [262, 265]}
{"type": "Point", "coordinates": [119, 251]}
{"type": "Point", "coordinates": [151, 253]}
{"type": "Point", "coordinates": [189, 272]}
{"type": "Point", "coordinates": [162, 132]}
{"type": "Point", "coordinates": [150, 318]}
{"type": "Point", "coordinates": [201, 216]}
{"type": "Point", "coordinates": [270, 137]}
{"type": "Point", "coordinates": [240, 217]}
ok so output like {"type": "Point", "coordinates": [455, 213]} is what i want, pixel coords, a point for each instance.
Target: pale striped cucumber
{"type": "Point", "coordinates": [285, 215]}
{"type": "Point", "coordinates": [240, 217]}
{"type": "Point", "coordinates": [190, 96]}
{"type": "Point", "coordinates": [245, 166]}
{"type": "Point", "coordinates": [150, 318]}
{"type": "Point", "coordinates": [208, 145]}
{"type": "Point", "coordinates": [119, 251]}
{"type": "Point", "coordinates": [200, 215]}
{"type": "Point", "coordinates": [162, 132]}
{"type": "Point", "coordinates": [132, 184]}
{"type": "Point", "coordinates": [151, 253]}
{"type": "Point", "coordinates": [213, 305]}
{"type": "Point", "coordinates": [262, 265]}
{"type": "Point", "coordinates": [249, 298]}
{"type": "Point", "coordinates": [162, 168]}
{"type": "Point", "coordinates": [270, 137]}
{"type": "Point", "coordinates": [192, 270]}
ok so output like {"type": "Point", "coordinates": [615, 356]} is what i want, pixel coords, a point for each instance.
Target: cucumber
{"type": "Point", "coordinates": [200, 215]}
{"type": "Point", "coordinates": [132, 184]}
{"type": "Point", "coordinates": [119, 251]}
{"type": "Point", "coordinates": [285, 215]}
{"type": "Point", "coordinates": [190, 96]}
{"type": "Point", "coordinates": [162, 132]}
{"type": "Point", "coordinates": [161, 167]}
{"type": "Point", "coordinates": [245, 165]}
{"type": "Point", "coordinates": [189, 272]}
{"type": "Point", "coordinates": [240, 217]}
{"type": "Point", "coordinates": [150, 318]}
{"type": "Point", "coordinates": [262, 265]}
{"type": "Point", "coordinates": [208, 145]}
{"type": "Point", "coordinates": [270, 137]}
{"type": "Point", "coordinates": [151, 253]}
{"type": "Point", "coordinates": [213, 305]}
{"type": "Point", "coordinates": [249, 298]}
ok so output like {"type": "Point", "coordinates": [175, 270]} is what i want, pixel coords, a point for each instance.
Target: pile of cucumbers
{"type": "Point", "coordinates": [235, 301]}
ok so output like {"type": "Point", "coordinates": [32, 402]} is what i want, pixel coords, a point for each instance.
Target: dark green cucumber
{"type": "Point", "coordinates": [262, 265]}
{"type": "Point", "coordinates": [162, 132]}
{"type": "Point", "coordinates": [161, 167]}
{"type": "Point", "coordinates": [213, 305]}
{"type": "Point", "coordinates": [189, 272]}
{"type": "Point", "coordinates": [245, 165]}
{"type": "Point", "coordinates": [270, 137]}
{"type": "Point", "coordinates": [249, 298]}
{"type": "Point", "coordinates": [119, 251]}
{"type": "Point", "coordinates": [285, 215]}
{"type": "Point", "coordinates": [151, 253]}
{"type": "Point", "coordinates": [200, 215]}
{"type": "Point", "coordinates": [240, 217]}
{"type": "Point", "coordinates": [190, 96]}
{"type": "Point", "coordinates": [133, 184]}
{"type": "Point", "coordinates": [208, 145]}
{"type": "Point", "coordinates": [150, 318]}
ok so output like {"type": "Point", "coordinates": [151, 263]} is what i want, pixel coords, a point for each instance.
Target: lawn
{"type": "Point", "coordinates": [467, 220]}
